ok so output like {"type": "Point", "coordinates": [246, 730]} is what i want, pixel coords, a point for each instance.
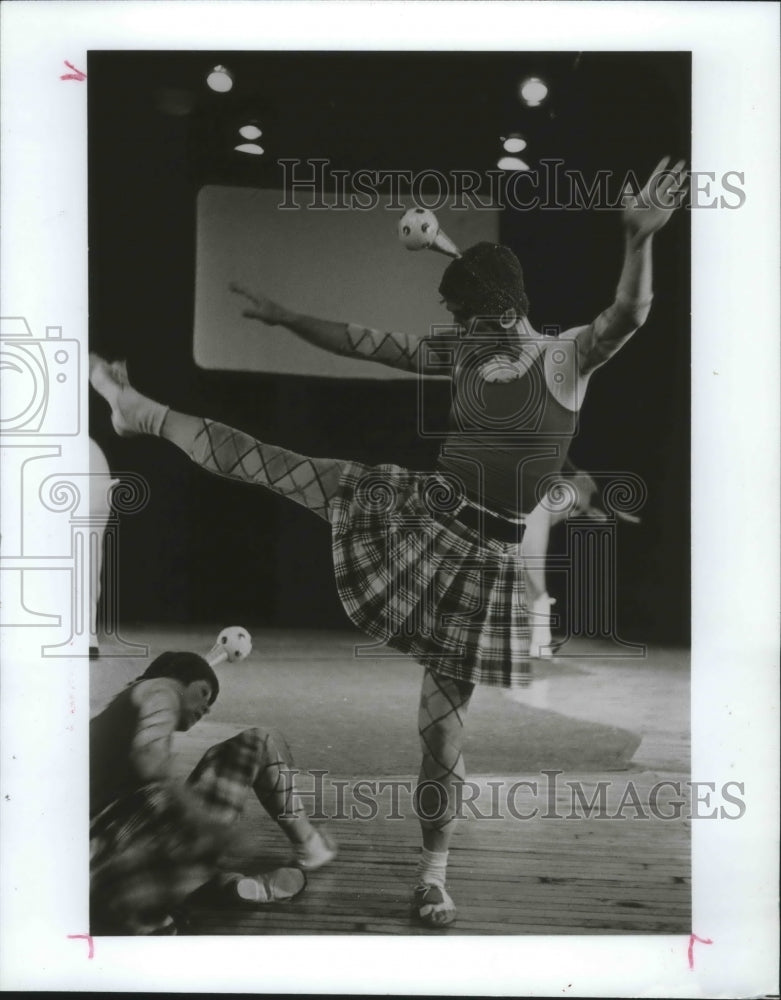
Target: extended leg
{"type": "Point", "coordinates": [254, 759]}
{"type": "Point", "coordinates": [222, 450]}
{"type": "Point", "coordinates": [441, 716]}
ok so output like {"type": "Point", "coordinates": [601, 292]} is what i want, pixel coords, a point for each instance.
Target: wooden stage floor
{"type": "Point", "coordinates": [568, 868]}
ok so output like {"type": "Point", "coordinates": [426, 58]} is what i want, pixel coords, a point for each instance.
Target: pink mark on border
{"type": "Point", "coordinates": [88, 939]}
{"type": "Point", "coordinates": [75, 75]}
{"type": "Point", "coordinates": [692, 939]}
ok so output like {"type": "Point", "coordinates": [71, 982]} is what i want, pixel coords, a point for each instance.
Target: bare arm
{"type": "Point", "coordinates": [398, 350]}
{"type": "Point", "coordinates": [159, 709]}
{"type": "Point", "coordinates": [643, 215]}
{"type": "Point", "coordinates": [158, 716]}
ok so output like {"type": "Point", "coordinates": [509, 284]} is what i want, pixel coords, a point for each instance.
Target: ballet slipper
{"type": "Point", "coordinates": [276, 886]}
{"type": "Point", "coordinates": [131, 413]}
{"type": "Point", "coordinates": [432, 906]}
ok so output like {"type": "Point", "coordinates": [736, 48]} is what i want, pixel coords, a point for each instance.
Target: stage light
{"type": "Point", "coordinates": [250, 131]}
{"type": "Point", "coordinates": [249, 147]}
{"type": "Point", "coordinates": [533, 91]}
{"type": "Point", "coordinates": [220, 79]}
{"type": "Point", "coordinates": [514, 143]}
{"type": "Point", "coordinates": [512, 163]}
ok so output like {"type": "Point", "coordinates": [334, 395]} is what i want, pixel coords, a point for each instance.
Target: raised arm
{"type": "Point", "coordinates": [398, 350]}
{"type": "Point", "coordinates": [643, 214]}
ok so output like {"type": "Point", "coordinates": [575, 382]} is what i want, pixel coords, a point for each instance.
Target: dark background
{"type": "Point", "coordinates": [210, 551]}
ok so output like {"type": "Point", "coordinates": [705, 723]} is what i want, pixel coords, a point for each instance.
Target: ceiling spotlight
{"type": "Point", "coordinates": [249, 147]}
{"type": "Point", "coordinates": [514, 143]}
{"type": "Point", "coordinates": [220, 79]}
{"type": "Point", "coordinates": [512, 163]}
{"type": "Point", "coordinates": [533, 91]}
{"type": "Point", "coordinates": [250, 131]}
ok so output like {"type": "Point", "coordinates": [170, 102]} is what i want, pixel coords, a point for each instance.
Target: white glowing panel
{"type": "Point", "coordinates": [346, 265]}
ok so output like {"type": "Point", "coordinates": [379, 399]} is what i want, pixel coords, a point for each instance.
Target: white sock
{"type": "Point", "coordinates": [540, 621]}
{"type": "Point", "coordinates": [131, 413]}
{"type": "Point", "coordinates": [432, 867]}
{"type": "Point", "coordinates": [150, 416]}
{"type": "Point", "coordinates": [542, 604]}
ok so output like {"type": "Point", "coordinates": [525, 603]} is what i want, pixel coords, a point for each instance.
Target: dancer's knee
{"type": "Point", "coordinates": [254, 735]}
{"type": "Point", "coordinates": [257, 737]}
{"type": "Point", "coordinates": [252, 742]}
{"type": "Point", "coordinates": [268, 745]}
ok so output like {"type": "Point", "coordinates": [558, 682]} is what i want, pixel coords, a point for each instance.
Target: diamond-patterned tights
{"type": "Point", "coordinates": [225, 451]}
{"type": "Point", "coordinates": [441, 716]}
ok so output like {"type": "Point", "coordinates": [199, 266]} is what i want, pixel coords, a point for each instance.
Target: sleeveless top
{"type": "Point", "coordinates": [111, 736]}
{"type": "Point", "coordinates": [505, 435]}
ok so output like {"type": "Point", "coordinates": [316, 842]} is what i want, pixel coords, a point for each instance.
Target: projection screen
{"type": "Point", "coordinates": [345, 265]}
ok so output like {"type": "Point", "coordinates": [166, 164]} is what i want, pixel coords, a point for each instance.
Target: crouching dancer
{"type": "Point", "coordinates": [155, 841]}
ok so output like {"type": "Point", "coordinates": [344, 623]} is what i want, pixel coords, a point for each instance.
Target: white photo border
{"type": "Point", "coordinates": [735, 397]}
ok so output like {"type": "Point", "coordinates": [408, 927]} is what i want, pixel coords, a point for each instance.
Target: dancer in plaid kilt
{"type": "Point", "coordinates": [433, 563]}
{"type": "Point", "coordinates": [153, 842]}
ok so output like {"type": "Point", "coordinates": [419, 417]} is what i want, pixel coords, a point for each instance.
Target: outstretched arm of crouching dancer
{"type": "Point", "coordinates": [397, 350]}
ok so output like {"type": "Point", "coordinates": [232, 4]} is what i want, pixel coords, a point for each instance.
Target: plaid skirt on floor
{"type": "Point", "coordinates": [152, 848]}
{"type": "Point", "coordinates": [412, 577]}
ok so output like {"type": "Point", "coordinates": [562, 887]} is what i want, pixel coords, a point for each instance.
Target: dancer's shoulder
{"type": "Point", "coordinates": [161, 694]}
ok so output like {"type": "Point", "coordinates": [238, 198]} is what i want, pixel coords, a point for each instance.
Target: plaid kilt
{"type": "Point", "coordinates": [411, 576]}
{"type": "Point", "coordinates": [152, 848]}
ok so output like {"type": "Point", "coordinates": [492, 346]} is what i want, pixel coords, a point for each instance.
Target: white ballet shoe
{"type": "Point", "coordinates": [131, 413]}
{"type": "Point", "coordinates": [432, 906]}
{"type": "Point", "coordinates": [541, 642]}
{"type": "Point", "coordinates": [275, 886]}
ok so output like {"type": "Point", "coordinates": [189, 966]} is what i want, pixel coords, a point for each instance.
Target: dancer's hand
{"type": "Point", "coordinates": [587, 497]}
{"type": "Point", "coordinates": [587, 500]}
{"type": "Point", "coordinates": [262, 308]}
{"type": "Point", "coordinates": [646, 212]}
